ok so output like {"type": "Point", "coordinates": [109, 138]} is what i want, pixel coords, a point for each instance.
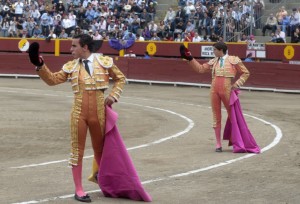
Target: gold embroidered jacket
{"type": "Point", "coordinates": [103, 69]}
{"type": "Point", "coordinates": [232, 66]}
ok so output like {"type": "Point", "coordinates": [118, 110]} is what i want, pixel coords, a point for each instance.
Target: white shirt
{"type": "Point", "coordinates": [90, 61]}
{"type": "Point", "coordinates": [19, 8]}
{"type": "Point", "coordinates": [197, 39]}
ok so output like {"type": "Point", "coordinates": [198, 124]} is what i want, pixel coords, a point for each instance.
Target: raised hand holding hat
{"type": "Point", "coordinates": [34, 54]}
{"type": "Point", "coordinates": [185, 53]}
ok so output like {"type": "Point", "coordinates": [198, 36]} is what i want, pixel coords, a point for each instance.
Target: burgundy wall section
{"type": "Point", "coordinates": [263, 75]}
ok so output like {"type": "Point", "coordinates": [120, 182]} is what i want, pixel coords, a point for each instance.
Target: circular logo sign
{"type": "Point", "coordinates": [289, 52]}
{"type": "Point", "coordinates": [151, 48]}
{"type": "Point", "coordinates": [23, 45]}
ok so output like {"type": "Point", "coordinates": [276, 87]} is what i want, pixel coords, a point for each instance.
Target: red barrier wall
{"type": "Point", "coordinates": [274, 51]}
{"type": "Point", "coordinates": [263, 75]}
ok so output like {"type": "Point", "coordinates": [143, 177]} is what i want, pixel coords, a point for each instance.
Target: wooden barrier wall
{"type": "Point", "coordinates": [263, 75]}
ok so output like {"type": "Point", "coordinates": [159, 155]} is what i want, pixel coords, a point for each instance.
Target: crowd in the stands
{"type": "Point", "coordinates": [193, 21]}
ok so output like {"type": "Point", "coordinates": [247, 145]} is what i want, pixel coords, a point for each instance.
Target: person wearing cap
{"type": "Point", "coordinates": [224, 68]}
{"type": "Point", "coordinates": [89, 74]}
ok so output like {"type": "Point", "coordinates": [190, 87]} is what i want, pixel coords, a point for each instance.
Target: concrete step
{"type": "Point", "coordinates": [266, 39]}
{"type": "Point", "coordinates": [275, 7]}
{"type": "Point", "coordinates": [163, 7]}
{"type": "Point", "coordinates": [170, 2]}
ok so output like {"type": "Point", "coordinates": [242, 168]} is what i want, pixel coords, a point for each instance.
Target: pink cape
{"type": "Point", "coordinates": [236, 129]}
{"type": "Point", "coordinates": [117, 176]}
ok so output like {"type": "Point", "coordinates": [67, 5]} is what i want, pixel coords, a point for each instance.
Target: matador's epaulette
{"type": "Point", "coordinates": [105, 61]}
{"type": "Point", "coordinates": [212, 61]}
{"type": "Point", "coordinates": [70, 66]}
{"type": "Point", "coordinates": [234, 59]}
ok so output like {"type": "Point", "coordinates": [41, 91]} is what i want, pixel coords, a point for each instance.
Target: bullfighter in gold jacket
{"type": "Point", "coordinates": [89, 75]}
{"type": "Point", "coordinates": [224, 69]}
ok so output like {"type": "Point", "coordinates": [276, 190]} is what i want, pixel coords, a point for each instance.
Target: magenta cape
{"type": "Point", "coordinates": [117, 176]}
{"type": "Point", "coordinates": [236, 129]}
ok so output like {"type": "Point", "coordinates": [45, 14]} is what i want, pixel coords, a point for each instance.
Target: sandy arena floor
{"type": "Point", "coordinates": [180, 169]}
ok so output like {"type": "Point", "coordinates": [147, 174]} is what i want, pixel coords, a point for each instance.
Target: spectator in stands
{"type": "Point", "coordinates": [296, 36]}
{"type": "Point", "coordinates": [249, 57]}
{"type": "Point", "coordinates": [130, 54]}
{"type": "Point", "coordinates": [51, 35]}
{"type": "Point", "coordinates": [188, 37]}
{"type": "Point", "coordinates": [161, 29]}
{"type": "Point", "coordinates": [279, 36]}
{"type": "Point", "coordinates": [189, 27]}
{"type": "Point", "coordinates": [60, 8]}
{"type": "Point", "coordinates": [24, 34]}
{"type": "Point", "coordinates": [97, 36]}
{"type": "Point", "coordinates": [151, 10]}
{"type": "Point", "coordinates": [197, 38]}
{"type": "Point", "coordinates": [168, 37]}
{"type": "Point", "coordinates": [285, 27]}
{"type": "Point", "coordinates": [146, 33]}
{"type": "Point", "coordinates": [136, 8]}
{"type": "Point", "coordinates": [189, 7]}
{"type": "Point", "coordinates": [146, 55]}
{"type": "Point", "coordinates": [145, 18]}
{"type": "Point", "coordinates": [26, 12]}
{"type": "Point", "coordinates": [213, 37]}
{"type": "Point", "coordinates": [193, 17]}
{"type": "Point", "coordinates": [36, 31]}
{"type": "Point", "coordinates": [294, 21]}
{"type": "Point", "coordinates": [155, 37]}
{"type": "Point", "coordinates": [129, 36]}
{"type": "Point", "coordinates": [170, 15]}
{"type": "Point", "coordinates": [139, 37]}
{"type": "Point", "coordinates": [5, 27]}
{"type": "Point", "coordinates": [206, 25]}
{"type": "Point", "coordinates": [136, 23]}
{"type": "Point", "coordinates": [66, 24]}
{"type": "Point", "coordinates": [178, 38]}
{"type": "Point", "coordinates": [89, 14]}
{"type": "Point", "coordinates": [152, 27]}
{"type": "Point", "coordinates": [251, 40]}
{"type": "Point", "coordinates": [179, 28]}
{"type": "Point", "coordinates": [63, 34]}
{"type": "Point", "coordinates": [46, 23]}
{"type": "Point", "coordinates": [280, 14]}
{"type": "Point", "coordinates": [180, 16]}
{"type": "Point", "coordinates": [258, 9]}
{"type": "Point", "coordinates": [35, 14]}
{"type": "Point", "coordinates": [271, 24]}
{"type": "Point", "coordinates": [243, 38]}
{"type": "Point", "coordinates": [30, 25]}
{"type": "Point", "coordinates": [19, 6]}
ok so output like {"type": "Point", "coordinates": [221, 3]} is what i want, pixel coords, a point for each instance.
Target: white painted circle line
{"type": "Point", "coordinates": [266, 148]}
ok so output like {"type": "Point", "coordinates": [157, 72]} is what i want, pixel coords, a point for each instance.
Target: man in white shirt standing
{"type": "Point", "coordinates": [19, 8]}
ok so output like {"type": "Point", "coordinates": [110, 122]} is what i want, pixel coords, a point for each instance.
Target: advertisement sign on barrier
{"type": "Point", "coordinates": [207, 51]}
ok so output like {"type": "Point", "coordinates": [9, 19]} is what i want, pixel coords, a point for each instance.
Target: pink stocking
{"type": "Point", "coordinates": [218, 136]}
{"type": "Point", "coordinates": [77, 174]}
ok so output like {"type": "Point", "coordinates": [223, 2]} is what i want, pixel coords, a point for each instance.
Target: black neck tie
{"type": "Point", "coordinates": [85, 62]}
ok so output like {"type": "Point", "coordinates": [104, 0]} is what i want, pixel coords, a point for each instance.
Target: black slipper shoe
{"type": "Point", "coordinates": [85, 198]}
